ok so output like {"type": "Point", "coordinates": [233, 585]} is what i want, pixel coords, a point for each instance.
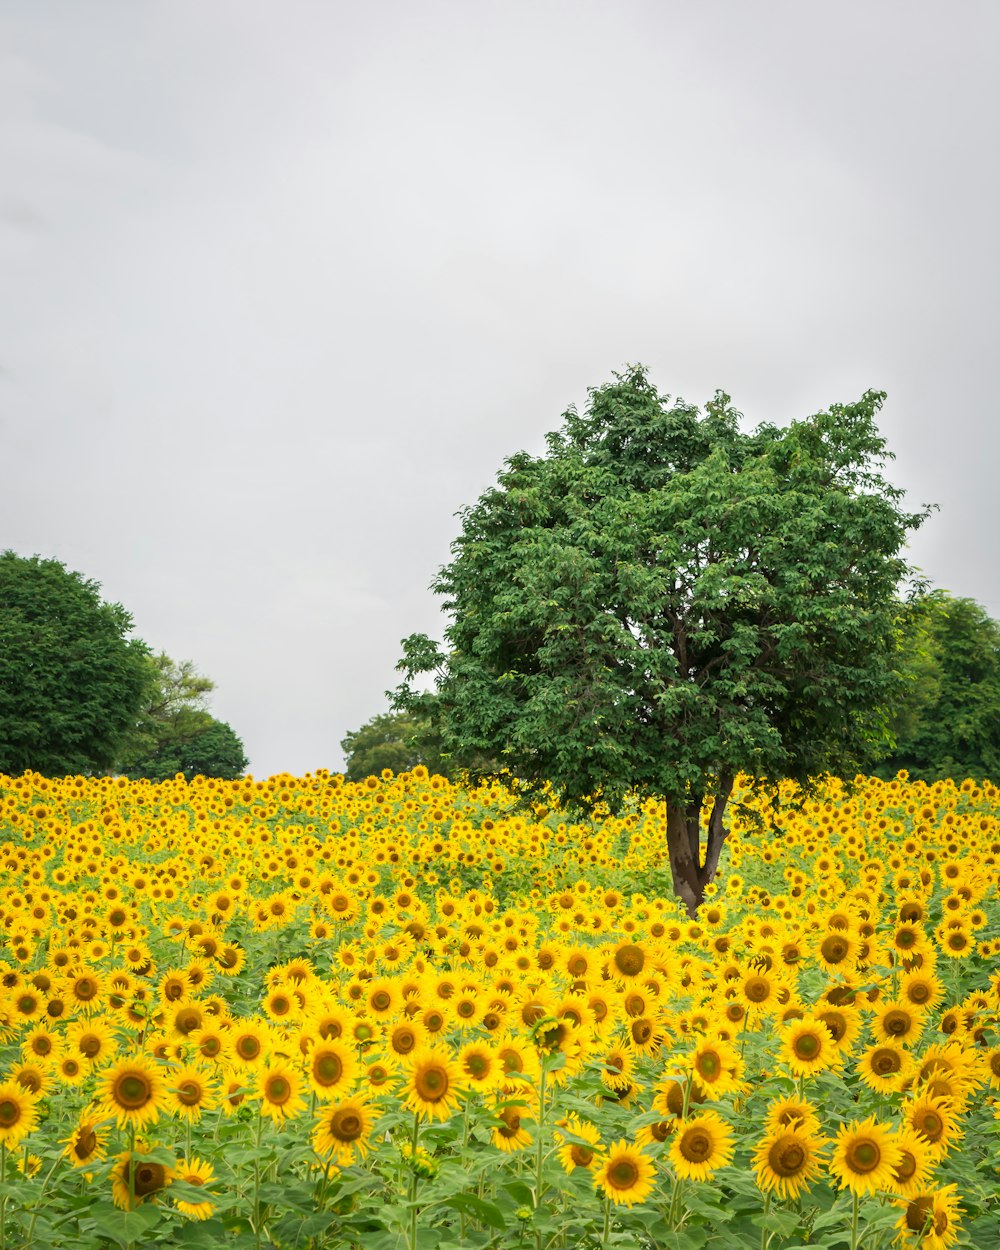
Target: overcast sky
{"type": "Point", "coordinates": [281, 285]}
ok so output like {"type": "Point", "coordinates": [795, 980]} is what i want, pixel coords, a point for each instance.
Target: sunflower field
{"type": "Point", "coordinates": [310, 1014]}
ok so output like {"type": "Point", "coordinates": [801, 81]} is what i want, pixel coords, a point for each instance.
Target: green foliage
{"type": "Point", "coordinates": [175, 733]}
{"type": "Point", "coordinates": [396, 740]}
{"type": "Point", "coordinates": [947, 724]}
{"type": "Point", "coordinates": [214, 751]}
{"type": "Point", "coordinates": [662, 601]}
{"type": "Point", "coordinates": [402, 740]}
{"type": "Point", "coordinates": [71, 682]}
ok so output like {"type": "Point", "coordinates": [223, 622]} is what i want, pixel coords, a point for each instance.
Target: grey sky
{"type": "Point", "coordinates": [283, 283]}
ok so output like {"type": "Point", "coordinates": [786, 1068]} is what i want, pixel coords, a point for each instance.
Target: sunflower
{"type": "Point", "coordinates": [18, 1113]}
{"type": "Point", "coordinates": [281, 1005]}
{"type": "Point", "coordinates": [87, 1143]}
{"type": "Point", "coordinates": [41, 1045]}
{"type": "Point", "coordinates": [842, 1021]}
{"type": "Point", "coordinates": [930, 1219]}
{"type": "Point", "coordinates": [36, 1078]}
{"type": "Point", "coordinates": [508, 1134]}
{"type": "Point", "coordinates": [786, 1160]}
{"type": "Point", "coordinates": [933, 1119]}
{"type": "Point", "coordinates": [278, 1086]}
{"type": "Point", "coordinates": [70, 1070]}
{"type": "Point", "coordinates": [760, 992]}
{"type": "Point", "coordinates": [248, 1043]}
{"type": "Point", "coordinates": [332, 1068]}
{"type": "Point", "coordinates": [898, 1022]}
{"type": "Point", "coordinates": [480, 1065]}
{"type": "Point", "coordinates": [807, 1046]}
{"type": "Point", "coordinates": [618, 1067]}
{"type": "Point", "coordinates": [137, 1174]}
{"type": "Point", "coordinates": [235, 1087]}
{"type": "Point", "coordinates": [886, 1068]}
{"type": "Point", "coordinates": [85, 989]}
{"type": "Point", "coordinates": [626, 1176]}
{"type": "Point", "coordinates": [132, 1091]}
{"type": "Point", "coordinates": [916, 1163]}
{"type": "Point", "coordinates": [382, 998]}
{"type": "Point", "coordinates": [191, 1092]}
{"type": "Point", "coordinates": [628, 961]}
{"type": "Point", "coordinates": [717, 1068]}
{"type": "Point", "coordinates": [209, 1043]}
{"type": "Point", "coordinates": [919, 989]}
{"type": "Point", "coordinates": [92, 1039]}
{"type": "Point", "coordinates": [196, 1172]}
{"type": "Point", "coordinates": [343, 1130]}
{"type": "Point", "coordinates": [404, 1037]}
{"type": "Point", "coordinates": [585, 1151]}
{"type": "Point", "coordinates": [433, 1083]}
{"type": "Point", "coordinates": [865, 1155]}
{"type": "Point", "coordinates": [701, 1145]}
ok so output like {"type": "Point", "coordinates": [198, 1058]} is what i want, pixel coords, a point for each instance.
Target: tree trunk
{"type": "Point", "coordinates": [690, 875]}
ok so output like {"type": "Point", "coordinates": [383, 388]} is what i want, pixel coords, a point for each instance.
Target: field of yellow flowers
{"type": "Point", "coordinates": [304, 1013]}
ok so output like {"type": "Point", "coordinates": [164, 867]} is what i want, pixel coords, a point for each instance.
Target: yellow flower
{"type": "Point", "coordinates": [508, 1134]}
{"type": "Point", "coordinates": [150, 1178]}
{"type": "Point", "coordinates": [807, 1046]}
{"type": "Point", "coordinates": [480, 1064]}
{"type": "Point", "coordinates": [583, 1153]}
{"type": "Point", "coordinates": [916, 1162]}
{"type": "Point", "coordinates": [865, 1156]}
{"type": "Point", "coordinates": [885, 1068]}
{"type": "Point", "coordinates": [133, 1091]}
{"type": "Point", "coordinates": [343, 1130]}
{"type": "Point", "coordinates": [278, 1087]}
{"type": "Point", "coordinates": [191, 1092]}
{"type": "Point", "coordinates": [433, 1083]}
{"type": "Point", "coordinates": [787, 1160]}
{"type": "Point", "coordinates": [332, 1068]}
{"type": "Point", "coordinates": [626, 1176]}
{"type": "Point", "coordinates": [933, 1119]}
{"type": "Point", "coordinates": [195, 1172]}
{"type": "Point", "coordinates": [930, 1219]}
{"type": "Point", "coordinates": [18, 1113]}
{"type": "Point", "coordinates": [87, 1142]}
{"type": "Point", "coordinates": [701, 1145]}
{"type": "Point", "coordinates": [717, 1068]}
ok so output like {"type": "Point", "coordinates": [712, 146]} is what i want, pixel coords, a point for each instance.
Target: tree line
{"type": "Point", "coordinates": [78, 695]}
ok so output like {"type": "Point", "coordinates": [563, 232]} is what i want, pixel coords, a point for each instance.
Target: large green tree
{"type": "Point", "coordinates": [947, 721]}
{"type": "Point", "coordinates": [663, 601]}
{"type": "Point", "coordinates": [175, 732]}
{"type": "Point", "coordinates": [71, 680]}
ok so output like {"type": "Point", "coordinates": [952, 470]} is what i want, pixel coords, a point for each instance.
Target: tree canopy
{"type": "Point", "coordinates": [662, 601]}
{"type": "Point", "coordinates": [175, 732]}
{"type": "Point", "coordinates": [395, 740]}
{"type": "Point", "coordinates": [947, 721]}
{"type": "Point", "coordinates": [71, 680]}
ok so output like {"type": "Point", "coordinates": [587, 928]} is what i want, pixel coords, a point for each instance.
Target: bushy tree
{"type": "Point", "coordinates": [71, 680]}
{"type": "Point", "coordinates": [947, 722]}
{"type": "Point", "coordinates": [396, 740]}
{"type": "Point", "coordinates": [175, 732]}
{"type": "Point", "coordinates": [215, 751]}
{"type": "Point", "coordinates": [663, 601]}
